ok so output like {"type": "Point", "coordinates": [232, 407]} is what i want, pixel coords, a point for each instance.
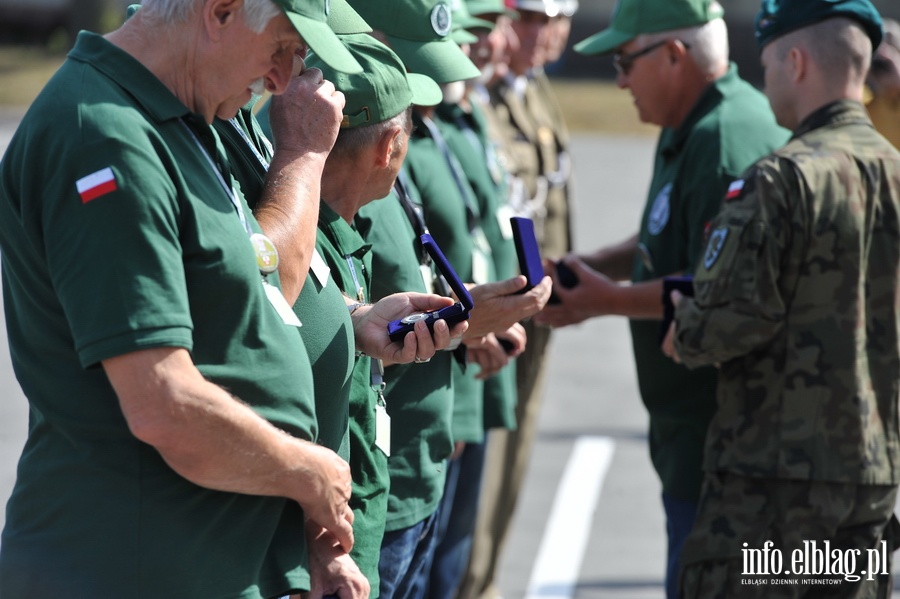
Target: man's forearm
{"type": "Point", "coordinates": [639, 301]}
{"type": "Point", "coordinates": [288, 213]}
{"type": "Point", "coordinates": [215, 441]}
{"type": "Point", "coordinates": [614, 261]}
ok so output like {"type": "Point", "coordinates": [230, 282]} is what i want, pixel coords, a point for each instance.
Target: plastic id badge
{"type": "Point", "coordinates": [685, 286]}
{"type": "Point", "coordinates": [527, 249]}
{"type": "Point", "coordinates": [398, 329]}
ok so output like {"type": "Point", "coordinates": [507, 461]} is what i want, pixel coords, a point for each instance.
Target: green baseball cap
{"type": "Point", "coordinates": [463, 20]}
{"type": "Point", "coordinates": [310, 19]}
{"type": "Point", "coordinates": [343, 20]}
{"type": "Point", "coordinates": [418, 31]}
{"type": "Point", "coordinates": [383, 89]}
{"type": "Point", "coordinates": [777, 17]}
{"type": "Point", "coordinates": [631, 18]}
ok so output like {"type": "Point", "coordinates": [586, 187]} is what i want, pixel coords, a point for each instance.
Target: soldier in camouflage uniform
{"type": "Point", "coordinates": [797, 299]}
{"type": "Point", "coordinates": [672, 57]}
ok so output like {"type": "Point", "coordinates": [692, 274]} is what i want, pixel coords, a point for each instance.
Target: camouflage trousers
{"type": "Point", "coordinates": [771, 538]}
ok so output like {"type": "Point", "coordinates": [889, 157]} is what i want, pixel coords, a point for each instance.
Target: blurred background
{"type": "Point", "coordinates": [35, 34]}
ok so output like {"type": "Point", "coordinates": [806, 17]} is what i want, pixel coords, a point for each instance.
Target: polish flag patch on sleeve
{"type": "Point", "coordinates": [96, 184]}
{"type": "Point", "coordinates": [735, 189]}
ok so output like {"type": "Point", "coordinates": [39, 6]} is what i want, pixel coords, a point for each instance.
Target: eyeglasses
{"type": "Point", "coordinates": [624, 62]}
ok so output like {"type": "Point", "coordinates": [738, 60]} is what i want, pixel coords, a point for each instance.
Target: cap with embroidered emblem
{"type": "Point", "coordinates": [418, 31]}
{"type": "Point", "coordinates": [463, 20]}
{"type": "Point", "coordinates": [383, 89]}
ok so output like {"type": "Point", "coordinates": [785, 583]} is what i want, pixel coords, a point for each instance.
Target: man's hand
{"type": "Point", "coordinates": [370, 328]}
{"type": "Point", "coordinates": [498, 306]}
{"type": "Point", "coordinates": [668, 344]}
{"type": "Point", "coordinates": [594, 295]}
{"type": "Point", "coordinates": [332, 571]}
{"type": "Point", "coordinates": [330, 496]}
{"type": "Point", "coordinates": [307, 117]}
{"type": "Point", "coordinates": [515, 337]}
{"type": "Point", "coordinates": [216, 441]}
{"type": "Point", "coordinates": [305, 121]}
{"type": "Point", "coordinates": [489, 355]}
{"type": "Point", "coordinates": [494, 351]}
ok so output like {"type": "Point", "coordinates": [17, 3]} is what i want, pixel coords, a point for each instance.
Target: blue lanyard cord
{"type": "Point", "coordinates": [228, 189]}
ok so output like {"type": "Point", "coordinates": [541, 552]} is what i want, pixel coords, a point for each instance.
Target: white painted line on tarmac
{"type": "Point", "coordinates": [568, 528]}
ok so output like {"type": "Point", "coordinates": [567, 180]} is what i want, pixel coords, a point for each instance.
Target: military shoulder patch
{"type": "Point", "coordinates": [738, 189]}
{"type": "Point", "coordinates": [734, 190]}
{"type": "Point", "coordinates": [714, 247]}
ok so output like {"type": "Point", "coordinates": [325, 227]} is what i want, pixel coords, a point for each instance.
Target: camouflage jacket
{"type": "Point", "coordinates": [797, 298]}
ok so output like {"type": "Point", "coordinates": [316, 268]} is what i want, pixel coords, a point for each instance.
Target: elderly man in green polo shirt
{"type": "Point", "coordinates": [361, 168]}
{"type": "Point", "coordinates": [672, 55]}
{"type": "Point", "coordinates": [169, 451]}
{"type": "Point", "coordinates": [422, 398]}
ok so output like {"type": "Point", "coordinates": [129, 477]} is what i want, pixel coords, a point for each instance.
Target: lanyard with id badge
{"type": "Point", "coordinates": [263, 248]}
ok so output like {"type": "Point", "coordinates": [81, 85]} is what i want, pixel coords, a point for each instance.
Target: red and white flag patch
{"type": "Point", "coordinates": [735, 189]}
{"type": "Point", "coordinates": [96, 184]}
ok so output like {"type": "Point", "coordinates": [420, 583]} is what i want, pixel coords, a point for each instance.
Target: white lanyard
{"type": "Point", "coordinates": [228, 189]}
{"type": "Point", "coordinates": [252, 146]}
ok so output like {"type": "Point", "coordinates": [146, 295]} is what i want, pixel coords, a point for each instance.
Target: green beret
{"type": "Point", "coordinates": [383, 89]}
{"type": "Point", "coordinates": [777, 17]}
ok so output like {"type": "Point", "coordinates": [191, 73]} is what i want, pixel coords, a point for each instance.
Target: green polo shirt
{"type": "Point", "coordinates": [466, 135]}
{"type": "Point", "coordinates": [327, 332]}
{"type": "Point", "coordinates": [350, 261]}
{"type": "Point", "coordinates": [419, 396]}
{"type": "Point", "coordinates": [445, 214]}
{"type": "Point", "coordinates": [157, 256]}
{"type": "Point", "coordinates": [730, 128]}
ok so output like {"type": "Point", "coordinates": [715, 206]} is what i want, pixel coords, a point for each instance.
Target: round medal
{"type": "Point", "coordinates": [266, 253]}
{"type": "Point", "coordinates": [413, 318]}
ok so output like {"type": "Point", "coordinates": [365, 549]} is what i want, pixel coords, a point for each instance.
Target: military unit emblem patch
{"type": "Point", "coordinates": [714, 247]}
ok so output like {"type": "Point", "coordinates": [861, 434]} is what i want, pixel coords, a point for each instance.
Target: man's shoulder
{"type": "Point", "coordinates": [742, 110]}
{"type": "Point", "coordinates": [80, 105]}
{"type": "Point", "coordinates": [738, 131]}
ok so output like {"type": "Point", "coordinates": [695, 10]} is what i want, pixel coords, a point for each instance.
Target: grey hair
{"type": "Point", "coordinates": [707, 44]}
{"type": "Point", "coordinates": [839, 45]}
{"type": "Point", "coordinates": [257, 13]}
{"type": "Point", "coordinates": [350, 142]}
